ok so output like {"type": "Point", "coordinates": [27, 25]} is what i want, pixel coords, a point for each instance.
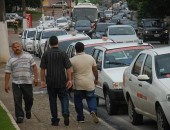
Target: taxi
{"type": "Point", "coordinates": [146, 87]}
{"type": "Point", "coordinates": [111, 62]}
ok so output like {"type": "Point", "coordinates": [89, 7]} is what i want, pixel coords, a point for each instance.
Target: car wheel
{"type": "Point", "coordinates": [162, 122]}
{"type": "Point", "coordinates": [110, 106]}
{"type": "Point", "coordinates": [136, 119]}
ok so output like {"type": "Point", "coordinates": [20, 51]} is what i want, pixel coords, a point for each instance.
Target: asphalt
{"type": "Point", "coordinates": [41, 116]}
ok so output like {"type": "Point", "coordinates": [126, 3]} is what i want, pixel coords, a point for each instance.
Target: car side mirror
{"type": "Point", "coordinates": [144, 77]}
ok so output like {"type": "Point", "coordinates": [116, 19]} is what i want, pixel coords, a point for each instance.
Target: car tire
{"type": "Point", "coordinates": [162, 122]}
{"type": "Point", "coordinates": [136, 119]}
{"type": "Point", "coordinates": [110, 106]}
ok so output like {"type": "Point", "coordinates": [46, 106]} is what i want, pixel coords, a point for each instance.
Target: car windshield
{"type": "Point", "coordinates": [121, 31]}
{"type": "Point", "coordinates": [63, 45]}
{"type": "Point", "coordinates": [102, 27]}
{"type": "Point", "coordinates": [48, 34]}
{"type": "Point", "coordinates": [31, 34]}
{"type": "Point", "coordinates": [153, 23]}
{"type": "Point", "coordinates": [122, 56]}
{"type": "Point", "coordinates": [162, 65]}
{"type": "Point", "coordinates": [83, 23]}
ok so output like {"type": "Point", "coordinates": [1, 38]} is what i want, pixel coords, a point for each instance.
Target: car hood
{"type": "Point", "coordinates": [165, 82]}
{"type": "Point", "coordinates": [123, 38]}
{"type": "Point", "coordinates": [116, 74]}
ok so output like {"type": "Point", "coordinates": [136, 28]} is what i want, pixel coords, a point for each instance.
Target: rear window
{"type": "Point", "coordinates": [48, 34]}
{"type": "Point", "coordinates": [63, 45]}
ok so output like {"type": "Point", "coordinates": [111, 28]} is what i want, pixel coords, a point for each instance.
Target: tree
{"type": "Point", "coordinates": [4, 49]}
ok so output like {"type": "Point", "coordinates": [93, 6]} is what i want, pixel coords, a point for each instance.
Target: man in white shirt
{"type": "Point", "coordinates": [85, 77]}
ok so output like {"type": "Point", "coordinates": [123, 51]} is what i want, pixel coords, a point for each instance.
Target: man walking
{"type": "Point", "coordinates": [56, 64]}
{"type": "Point", "coordinates": [85, 77]}
{"type": "Point", "coordinates": [20, 65]}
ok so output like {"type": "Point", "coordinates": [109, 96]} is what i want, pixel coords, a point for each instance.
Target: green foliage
{"type": "Point", "coordinates": [5, 121]}
{"type": "Point", "coordinates": [150, 8]}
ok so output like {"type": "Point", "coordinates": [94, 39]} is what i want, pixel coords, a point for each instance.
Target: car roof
{"type": "Point", "coordinates": [94, 41]}
{"type": "Point", "coordinates": [52, 29]}
{"type": "Point", "coordinates": [159, 51]}
{"type": "Point", "coordinates": [121, 45]}
{"type": "Point", "coordinates": [120, 26]}
{"type": "Point", "coordinates": [72, 37]}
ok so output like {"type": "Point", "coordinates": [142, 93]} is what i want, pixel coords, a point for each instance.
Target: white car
{"type": "Point", "coordinates": [147, 87]}
{"type": "Point", "coordinates": [46, 34]}
{"type": "Point", "coordinates": [66, 40]}
{"type": "Point", "coordinates": [62, 23]}
{"type": "Point", "coordinates": [122, 34]}
{"type": "Point", "coordinates": [88, 46]}
{"type": "Point", "coordinates": [27, 39]}
{"type": "Point", "coordinates": [111, 61]}
{"type": "Point", "coordinates": [48, 21]}
{"type": "Point", "coordinates": [60, 4]}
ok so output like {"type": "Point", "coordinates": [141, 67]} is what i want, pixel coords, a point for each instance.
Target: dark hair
{"type": "Point", "coordinates": [53, 40]}
{"type": "Point", "coordinates": [79, 47]}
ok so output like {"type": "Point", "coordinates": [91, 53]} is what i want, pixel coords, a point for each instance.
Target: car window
{"type": "Point", "coordinates": [99, 59]}
{"type": "Point", "coordinates": [138, 64]}
{"type": "Point", "coordinates": [121, 31]}
{"type": "Point", "coordinates": [31, 34]}
{"type": "Point", "coordinates": [162, 66]}
{"type": "Point", "coordinates": [95, 53]}
{"type": "Point", "coordinates": [147, 68]}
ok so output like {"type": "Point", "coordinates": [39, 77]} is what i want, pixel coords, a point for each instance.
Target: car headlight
{"type": "Point", "coordinates": [117, 85]}
{"type": "Point", "coordinates": [168, 97]}
{"type": "Point", "coordinates": [166, 31]}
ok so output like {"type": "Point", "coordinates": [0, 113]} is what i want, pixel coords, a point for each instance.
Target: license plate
{"type": "Point", "coordinates": [156, 35]}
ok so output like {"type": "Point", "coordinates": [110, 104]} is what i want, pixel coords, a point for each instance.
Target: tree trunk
{"type": "Point", "coordinates": [4, 49]}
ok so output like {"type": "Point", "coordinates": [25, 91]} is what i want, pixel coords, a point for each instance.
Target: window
{"type": "Point", "coordinates": [99, 59]}
{"type": "Point", "coordinates": [147, 69]}
{"type": "Point", "coordinates": [95, 53]}
{"type": "Point", "coordinates": [69, 51]}
{"type": "Point", "coordinates": [137, 66]}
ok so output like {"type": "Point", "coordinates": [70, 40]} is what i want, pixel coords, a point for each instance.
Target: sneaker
{"type": "Point", "coordinates": [82, 121]}
{"type": "Point", "coordinates": [28, 115]}
{"type": "Point", "coordinates": [19, 120]}
{"type": "Point", "coordinates": [95, 118]}
{"type": "Point", "coordinates": [66, 121]}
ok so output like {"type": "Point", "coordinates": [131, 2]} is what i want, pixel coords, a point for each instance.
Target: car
{"type": "Point", "coordinates": [122, 33]}
{"type": "Point", "coordinates": [83, 26]}
{"type": "Point", "coordinates": [27, 39]}
{"type": "Point", "coordinates": [46, 34]}
{"type": "Point", "coordinates": [60, 4]}
{"type": "Point", "coordinates": [62, 23]}
{"type": "Point", "coordinates": [111, 62]}
{"type": "Point", "coordinates": [100, 29]}
{"type": "Point", "coordinates": [47, 20]}
{"type": "Point", "coordinates": [66, 40]}
{"type": "Point", "coordinates": [153, 30]}
{"type": "Point", "coordinates": [88, 45]}
{"type": "Point", "coordinates": [108, 14]}
{"type": "Point", "coordinates": [146, 87]}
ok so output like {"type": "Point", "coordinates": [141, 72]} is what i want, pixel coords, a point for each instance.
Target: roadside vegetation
{"type": "Point", "coordinates": [5, 122]}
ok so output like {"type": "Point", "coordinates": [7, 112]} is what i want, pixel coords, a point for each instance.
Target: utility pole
{"type": "Point", "coordinates": [4, 49]}
{"type": "Point", "coordinates": [24, 22]}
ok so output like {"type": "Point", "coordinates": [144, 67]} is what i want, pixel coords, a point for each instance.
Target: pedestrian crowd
{"type": "Point", "coordinates": [59, 74]}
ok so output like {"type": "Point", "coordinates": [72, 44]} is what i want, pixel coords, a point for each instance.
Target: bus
{"type": "Point", "coordinates": [84, 11]}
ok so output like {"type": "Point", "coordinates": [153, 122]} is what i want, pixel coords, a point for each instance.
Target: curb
{"type": "Point", "coordinates": [10, 116]}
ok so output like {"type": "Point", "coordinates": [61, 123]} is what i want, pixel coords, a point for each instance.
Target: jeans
{"type": "Point", "coordinates": [63, 97]}
{"type": "Point", "coordinates": [91, 100]}
{"type": "Point", "coordinates": [24, 91]}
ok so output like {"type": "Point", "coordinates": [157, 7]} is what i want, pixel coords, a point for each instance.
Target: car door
{"type": "Point", "coordinates": [133, 82]}
{"type": "Point", "coordinates": [146, 87]}
{"type": "Point", "coordinates": [98, 55]}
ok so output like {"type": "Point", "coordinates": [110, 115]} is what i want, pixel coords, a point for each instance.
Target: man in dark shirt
{"type": "Point", "coordinates": [56, 75]}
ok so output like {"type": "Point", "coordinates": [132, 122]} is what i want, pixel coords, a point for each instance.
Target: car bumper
{"type": "Point", "coordinates": [156, 37]}
{"type": "Point", "coordinates": [117, 96]}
